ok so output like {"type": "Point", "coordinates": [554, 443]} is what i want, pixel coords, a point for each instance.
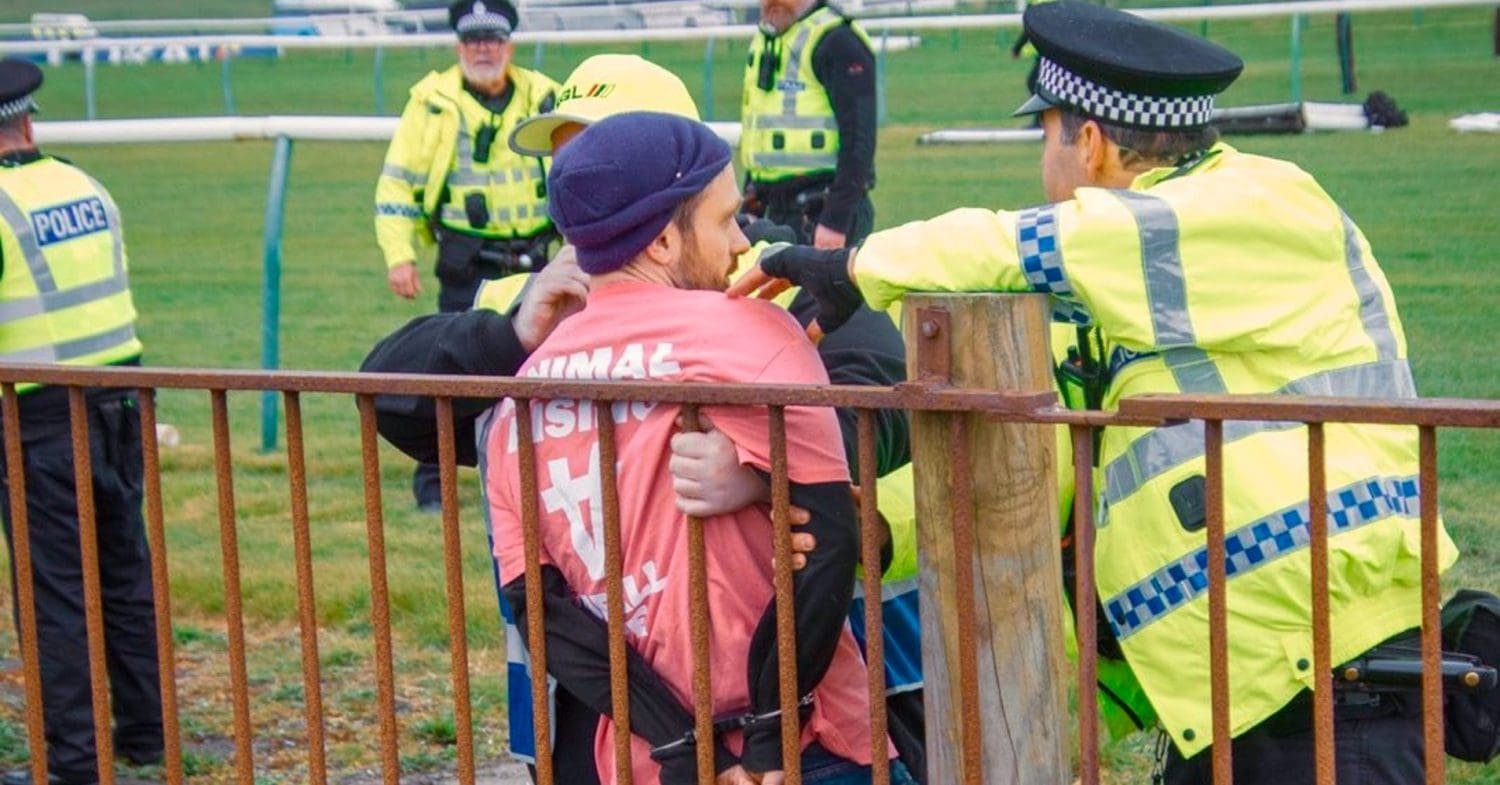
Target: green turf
{"type": "Point", "coordinates": [1424, 195]}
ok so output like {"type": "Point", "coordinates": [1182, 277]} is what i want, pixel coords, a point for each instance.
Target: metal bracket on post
{"type": "Point", "coordinates": [934, 353]}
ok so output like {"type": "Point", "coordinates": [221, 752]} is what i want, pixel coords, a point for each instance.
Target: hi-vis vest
{"type": "Point", "coordinates": [64, 294]}
{"type": "Point", "coordinates": [430, 169]}
{"type": "Point", "coordinates": [1238, 274]}
{"type": "Point", "coordinates": [789, 130]}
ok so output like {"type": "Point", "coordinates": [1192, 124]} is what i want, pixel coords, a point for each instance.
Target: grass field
{"type": "Point", "coordinates": [1424, 195]}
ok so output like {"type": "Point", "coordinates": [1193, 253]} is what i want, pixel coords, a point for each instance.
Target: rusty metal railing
{"type": "Point", "coordinates": [1427, 415]}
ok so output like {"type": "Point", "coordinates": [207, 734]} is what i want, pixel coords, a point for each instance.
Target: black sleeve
{"type": "Point", "coordinates": [866, 350]}
{"type": "Point", "coordinates": [474, 343]}
{"type": "Point", "coordinates": [578, 657]}
{"type": "Point", "coordinates": [846, 68]}
{"type": "Point", "coordinates": [821, 592]}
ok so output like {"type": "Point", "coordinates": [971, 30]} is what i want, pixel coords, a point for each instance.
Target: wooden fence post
{"type": "Point", "coordinates": [986, 495]}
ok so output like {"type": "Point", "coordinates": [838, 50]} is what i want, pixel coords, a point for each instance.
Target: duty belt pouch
{"type": "Point", "coordinates": [457, 254]}
{"type": "Point", "coordinates": [1471, 625]}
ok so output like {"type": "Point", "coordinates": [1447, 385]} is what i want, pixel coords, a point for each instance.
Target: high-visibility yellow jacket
{"type": "Point", "coordinates": [430, 168]}
{"type": "Point", "coordinates": [789, 130]}
{"type": "Point", "coordinates": [64, 292]}
{"type": "Point", "coordinates": [1237, 274]}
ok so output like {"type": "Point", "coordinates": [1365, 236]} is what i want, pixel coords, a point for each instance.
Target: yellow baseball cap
{"type": "Point", "coordinates": [601, 86]}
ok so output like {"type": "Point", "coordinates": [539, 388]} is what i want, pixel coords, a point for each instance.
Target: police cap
{"type": "Point", "coordinates": [18, 80]}
{"type": "Point", "coordinates": [1118, 67]}
{"type": "Point", "coordinates": [492, 18]}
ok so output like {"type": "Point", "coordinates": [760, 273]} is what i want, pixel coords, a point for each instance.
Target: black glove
{"type": "Point", "coordinates": [824, 273]}
{"type": "Point", "coordinates": [760, 230]}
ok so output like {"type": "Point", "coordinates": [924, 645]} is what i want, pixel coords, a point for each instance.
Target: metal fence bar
{"type": "Point", "coordinates": [619, 687]}
{"type": "Point", "coordinates": [541, 723]}
{"type": "Point", "coordinates": [971, 734]}
{"type": "Point", "coordinates": [453, 571]}
{"type": "Point", "coordinates": [1084, 612]}
{"type": "Point", "coordinates": [307, 614]}
{"type": "Point", "coordinates": [380, 600]}
{"type": "Point", "coordinates": [703, 711]}
{"type": "Point", "coordinates": [786, 622]}
{"type": "Point", "coordinates": [1432, 677]}
{"type": "Point", "coordinates": [1004, 405]}
{"type": "Point", "coordinates": [15, 474]}
{"type": "Point", "coordinates": [870, 543]}
{"type": "Point", "coordinates": [1317, 504]}
{"type": "Point", "coordinates": [1218, 611]}
{"type": "Point", "coordinates": [93, 604]}
{"type": "Point", "coordinates": [234, 613]}
{"type": "Point", "coordinates": [161, 589]}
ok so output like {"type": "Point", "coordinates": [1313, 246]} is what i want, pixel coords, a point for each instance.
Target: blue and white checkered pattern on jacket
{"type": "Point", "coordinates": [1042, 263]}
{"type": "Point", "coordinates": [1261, 542]}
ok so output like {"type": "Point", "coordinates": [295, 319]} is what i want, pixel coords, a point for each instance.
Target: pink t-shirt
{"type": "Point", "coordinates": [644, 331]}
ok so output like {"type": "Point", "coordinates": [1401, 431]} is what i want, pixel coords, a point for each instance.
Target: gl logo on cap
{"type": "Point", "coordinates": [597, 90]}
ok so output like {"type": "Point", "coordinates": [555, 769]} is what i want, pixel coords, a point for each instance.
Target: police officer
{"type": "Point", "coordinates": [450, 176]}
{"type": "Point", "coordinates": [65, 298]}
{"type": "Point", "coordinates": [1206, 270]}
{"type": "Point", "coordinates": [808, 115]}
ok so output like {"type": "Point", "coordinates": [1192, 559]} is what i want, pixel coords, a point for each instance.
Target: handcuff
{"type": "Point", "coordinates": [746, 721]}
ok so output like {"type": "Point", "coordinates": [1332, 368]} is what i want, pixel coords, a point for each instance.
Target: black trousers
{"type": "Point", "coordinates": [125, 582]}
{"type": "Point", "coordinates": [1376, 743]}
{"type": "Point", "coordinates": [453, 296]}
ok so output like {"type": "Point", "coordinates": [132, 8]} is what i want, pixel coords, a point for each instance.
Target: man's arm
{"type": "Point", "coordinates": [494, 339]}
{"type": "Point", "coordinates": [578, 657]}
{"type": "Point", "coordinates": [398, 194]}
{"type": "Point", "coordinates": [474, 343]}
{"type": "Point", "coordinates": [867, 351]}
{"type": "Point", "coordinates": [846, 68]}
{"type": "Point", "coordinates": [821, 591]}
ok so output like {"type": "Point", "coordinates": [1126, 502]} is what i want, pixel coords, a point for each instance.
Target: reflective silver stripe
{"type": "Point", "coordinates": [888, 591]}
{"type": "Point", "coordinates": [401, 173]}
{"type": "Point", "coordinates": [1166, 292]}
{"type": "Point", "coordinates": [502, 215]}
{"type": "Point", "coordinates": [518, 174]}
{"type": "Point", "coordinates": [475, 178]}
{"type": "Point", "coordinates": [1193, 370]}
{"type": "Point", "coordinates": [1372, 311]}
{"type": "Point", "coordinates": [78, 347]}
{"type": "Point", "coordinates": [453, 215]}
{"type": "Point", "coordinates": [464, 158]}
{"type": "Point", "coordinates": [56, 301]}
{"type": "Point", "coordinates": [783, 122]}
{"type": "Point", "coordinates": [805, 160]}
{"type": "Point", "coordinates": [116, 226]}
{"type": "Point", "coordinates": [1162, 449]}
{"type": "Point", "coordinates": [11, 213]}
{"type": "Point", "coordinates": [794, 68]}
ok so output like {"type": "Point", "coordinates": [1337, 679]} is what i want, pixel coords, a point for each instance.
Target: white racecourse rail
{"type": "Point", "coordinates": [873, 24]}
{"type": "Point", "coordinates": [229, 129]}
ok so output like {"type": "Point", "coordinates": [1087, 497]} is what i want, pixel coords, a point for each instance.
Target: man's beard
{"type": "Point", "coordinates": [482, 75]}
{"type": "Point", "coordinates": [700, 275]}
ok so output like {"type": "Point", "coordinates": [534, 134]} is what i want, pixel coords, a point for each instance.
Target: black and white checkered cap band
{"type": "Point", "coordinates": [1107, 103]}
{"type": "Point", "coordinates": [483, 19]}
{"type": "Point", "coordinates": [17, 107]}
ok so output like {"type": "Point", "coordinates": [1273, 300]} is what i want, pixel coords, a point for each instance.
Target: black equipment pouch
{"type": "Point", "coordinates": [457, 254]}
{"type": "Point", "coordinates": [1471, 625]}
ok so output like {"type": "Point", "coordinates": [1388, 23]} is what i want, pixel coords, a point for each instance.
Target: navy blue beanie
{"type": "Point", "coordinates": [614, 187]}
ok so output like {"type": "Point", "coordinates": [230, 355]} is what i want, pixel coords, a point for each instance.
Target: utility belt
{"type": "Point", "coordinates": [463, 257]}
{"type": "Point", "coordinates": [1385, 681]}
{"type": "Point", "coordinates": [797, 202]}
